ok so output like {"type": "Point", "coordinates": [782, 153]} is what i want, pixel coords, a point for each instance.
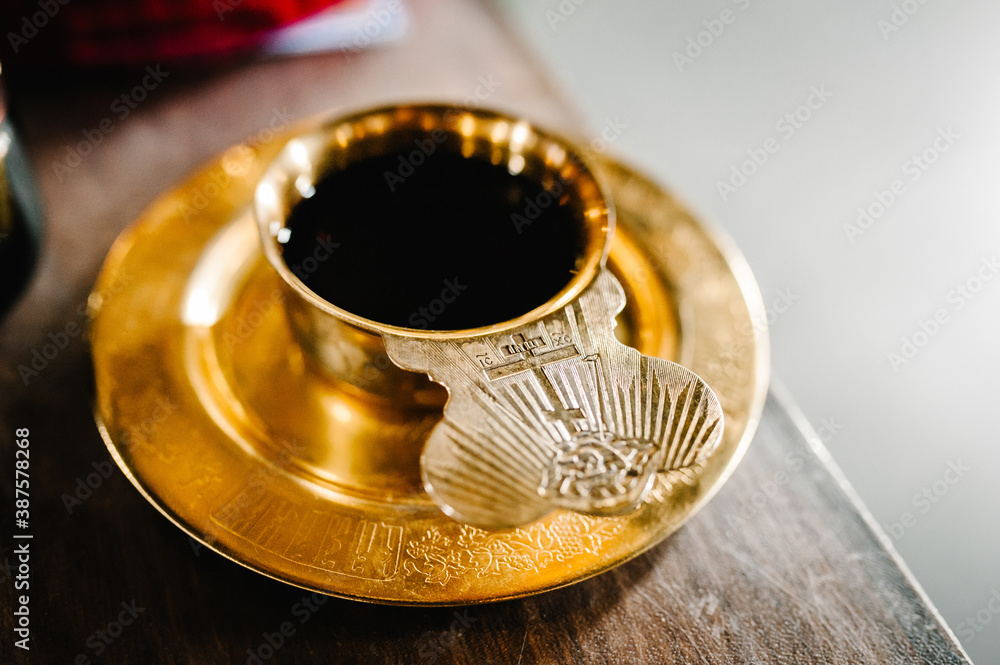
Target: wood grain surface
{"type": "Point", "coordinates": [782, 567]}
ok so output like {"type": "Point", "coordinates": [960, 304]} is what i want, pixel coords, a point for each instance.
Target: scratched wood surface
{"type": "Point", "coordinates": [781, 567]}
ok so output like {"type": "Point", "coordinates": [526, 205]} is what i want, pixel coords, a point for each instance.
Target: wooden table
{"type": "Point", "coordinates": [784, 566]}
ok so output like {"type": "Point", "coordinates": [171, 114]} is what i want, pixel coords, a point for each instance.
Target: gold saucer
{"type": "Point", "coordinates": [210, 408]}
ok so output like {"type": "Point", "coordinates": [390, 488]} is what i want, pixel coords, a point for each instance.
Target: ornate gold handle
{"type": "Point", "coordinates": [557, 414]}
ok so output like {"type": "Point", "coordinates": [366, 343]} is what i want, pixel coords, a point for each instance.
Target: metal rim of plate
{"type": "Point", "coordinates": [171, 419]}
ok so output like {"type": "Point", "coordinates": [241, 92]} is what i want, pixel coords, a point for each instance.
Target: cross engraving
{"type": "Point", "coordinates": [534, 355]}
{"type": "Point", "coordinates": [569, 417]}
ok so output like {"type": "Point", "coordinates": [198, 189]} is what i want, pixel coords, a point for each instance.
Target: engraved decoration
{"type": "Point", "coordinates": [459, 551]}
{"type": "Point", "coordinates": [557, 414]}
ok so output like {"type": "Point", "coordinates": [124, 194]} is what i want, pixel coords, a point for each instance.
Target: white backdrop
{"type": "Point", "coordinates": [853, 151]}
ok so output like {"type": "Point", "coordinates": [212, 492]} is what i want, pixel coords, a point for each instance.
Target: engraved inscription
{"type": "Point", "coordinates": [558, 333]}
{"type": "Point", "coordinates": [519, 344]}
{"type": "Point", "coordinates": [376, 552]}
{"type": "Point", "coordinates": [342, 545]}
{"type": "Point", "coordinates": [480, 353]}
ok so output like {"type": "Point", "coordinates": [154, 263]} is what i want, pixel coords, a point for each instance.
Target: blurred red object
{"type": "Point", "coordinates": [130, 32]}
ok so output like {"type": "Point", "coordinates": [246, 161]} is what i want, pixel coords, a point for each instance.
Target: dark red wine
{"type": "Point", "coordinates": [458, 243]}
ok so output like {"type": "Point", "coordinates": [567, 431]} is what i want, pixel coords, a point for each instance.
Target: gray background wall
{"type": "Point", "coordinates": [890, 90]}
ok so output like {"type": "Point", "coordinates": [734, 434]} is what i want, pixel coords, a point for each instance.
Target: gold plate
{"type": "Point", "coordinates": [209, 407]}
